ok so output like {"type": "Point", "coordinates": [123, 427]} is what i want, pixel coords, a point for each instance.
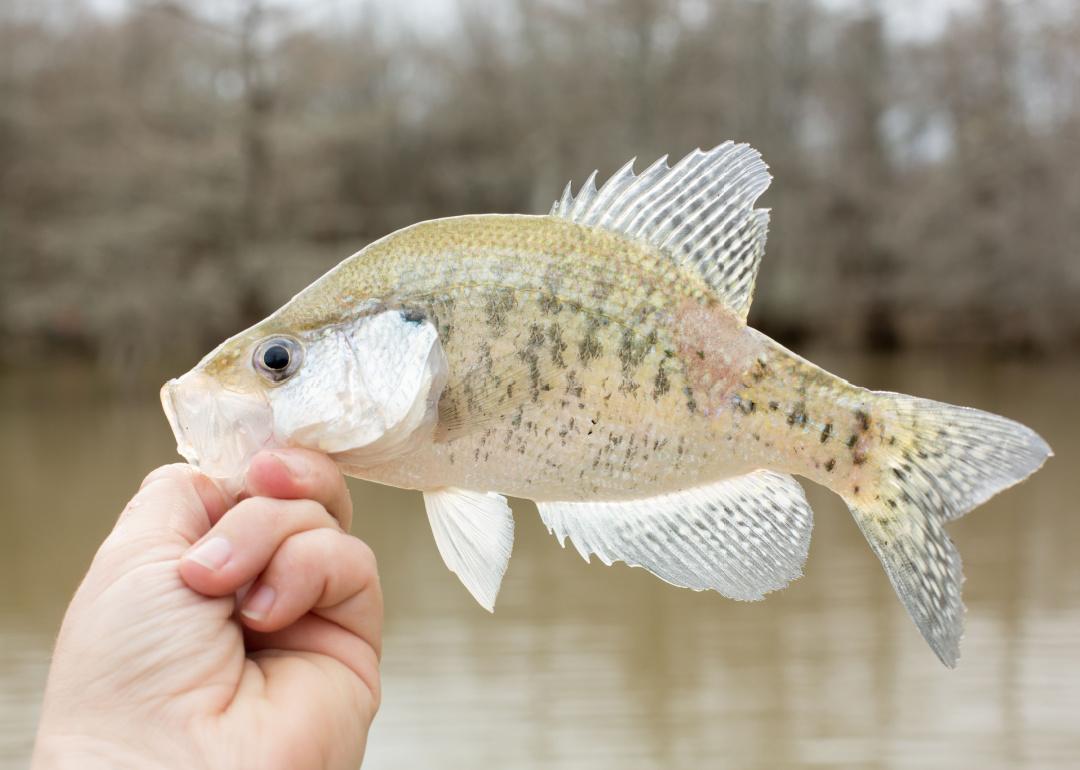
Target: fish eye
{"type": "Point", "coordinates": [277, 358]}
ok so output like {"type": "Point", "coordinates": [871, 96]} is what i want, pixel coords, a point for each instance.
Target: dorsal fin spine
{"type": "Point", "coordinates": [719, 215]}
{"type": "Point", "coordinates": [699, 212]}
{"type": "Point", "coordinates": [655, 212]}
{"type": "Point", "coordinates": [612, 188]}
{"type": "Point", "coordinates": [585, 197]}
{"type": "Point", "coordinates": [712, 210]}
{"type": "Point", "coordinates": [658, 167]}
{"type": "Point", "coordinates": [563, 204]}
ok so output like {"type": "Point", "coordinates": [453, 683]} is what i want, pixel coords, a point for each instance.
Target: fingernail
{"type": "Point", "coordinates": [212, 554]}
{"type": "Point", "coordinates": [297, 466]}
{"type": "Point", "coordinates": [259, 603]}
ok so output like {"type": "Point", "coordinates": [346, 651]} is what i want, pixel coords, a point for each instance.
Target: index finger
{"type": "Point", "coordinates": [294, 474]}
{"type": "Point", "coordinates": [174, 498]}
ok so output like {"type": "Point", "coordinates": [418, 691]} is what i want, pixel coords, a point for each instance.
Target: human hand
{"type": "Point", "coordinates": [157, 666]}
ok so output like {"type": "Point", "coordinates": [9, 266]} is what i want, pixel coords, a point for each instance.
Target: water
{"type": "Point", "coordinates": [587, 666]}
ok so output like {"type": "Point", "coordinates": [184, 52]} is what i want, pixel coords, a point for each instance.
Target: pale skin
{"type": "Point", "coordinates": [159, 664]}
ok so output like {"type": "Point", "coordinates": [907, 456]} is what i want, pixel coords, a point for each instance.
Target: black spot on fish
{"type": "Point", "coordinates": [589, 349]}
{"type": "Point", "coordinates": [550, 304]}
{"type": "Point", "coordinates": [898, 473]}
{"type": "Point", "coordinates": [774, 405]}
{"type": "Point", "coordinates": [572, 386]}
{"type": "Point", "coordinates": [831, 464]}
{"type": "Point", "coordinates": [701, 354]}
{"type": "Point", "coordinates": [797, 415]}
{"type": "Point", "coordinates": [497, 308]}
{"type": "Point", "coordinates": [863, 419]}
{"type": "Point", "coordinates": [852, 440]}
{"type": "Point", "coordinates": [558, 346]}
{"type": "Point", "coordinates": [745, 406]}
{"type": "Point", "coordinates": [633, 350]}
{"type": "Point", "coordinates": [661, 384]}
{"type": "Point", "coordinates": [826, 432]}
{"type": "Point", "coordinates": [691, 404]}
{"type": "Point", "coordinates": [534, 374]}
{"type": "Point", "coordinates": [413, 316]}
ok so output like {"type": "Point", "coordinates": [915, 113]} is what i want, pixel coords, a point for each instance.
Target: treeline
{"type": "Point", "coordinates": [167, 176]}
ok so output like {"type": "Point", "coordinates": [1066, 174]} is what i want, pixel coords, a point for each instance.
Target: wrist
{"type": "Point", "coordinates": [54, 751]}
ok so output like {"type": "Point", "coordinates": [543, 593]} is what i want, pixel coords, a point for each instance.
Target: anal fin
{"type": "Point", "coordinates": [474, 532]}
{"type": "Point", "coordinates": [743, 537]}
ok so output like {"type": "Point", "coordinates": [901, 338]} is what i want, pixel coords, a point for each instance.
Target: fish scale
{"type": "Point", "coordinates": [597, 360]}
{"type": "Point", "coordinates": [597, 399]}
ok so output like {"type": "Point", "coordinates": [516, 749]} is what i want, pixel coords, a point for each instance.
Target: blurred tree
{"type": "Point", "coordinates": [174, 170]}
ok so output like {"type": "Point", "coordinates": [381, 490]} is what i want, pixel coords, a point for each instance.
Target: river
{"type": "Point", "coordinates": [585, 666]}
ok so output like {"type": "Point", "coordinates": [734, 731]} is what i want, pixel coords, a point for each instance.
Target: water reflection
{"type": "Point", "coordinates": [585, 666]}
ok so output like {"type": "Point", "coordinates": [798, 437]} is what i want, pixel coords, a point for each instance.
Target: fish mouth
{"type": "Point", "coordinates": [217, 430]}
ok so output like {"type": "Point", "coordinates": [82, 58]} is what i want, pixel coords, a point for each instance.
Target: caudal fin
{"type": "Point", "coordinates": [937, 462]}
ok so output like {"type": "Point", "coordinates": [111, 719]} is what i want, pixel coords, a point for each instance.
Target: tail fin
{"type": "Point", "coordinates": [937, 463]}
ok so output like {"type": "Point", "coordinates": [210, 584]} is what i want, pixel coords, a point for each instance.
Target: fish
{"type": "Point", "coordinates": [597, 360]}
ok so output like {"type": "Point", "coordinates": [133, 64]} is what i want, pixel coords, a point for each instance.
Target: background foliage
{"type": "Point", "coordinates": [170, 172]}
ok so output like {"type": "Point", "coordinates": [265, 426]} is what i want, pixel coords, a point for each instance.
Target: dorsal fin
{"type": "Point", "coordinates": [700, 211]}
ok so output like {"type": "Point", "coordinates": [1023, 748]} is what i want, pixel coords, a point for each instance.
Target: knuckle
{"type": "Point", "coordinates": [364, 555]}
{"type": "Point", "coordinates": [249, 507]}
{"type": "Point", "coordinates": [292, 558]}
{"type": "Point", "coordinates": [171, 472]}
{"type": "Point", "coordinates": [306, 553]}
{"type": "Point", "coordinates": [313, 511]}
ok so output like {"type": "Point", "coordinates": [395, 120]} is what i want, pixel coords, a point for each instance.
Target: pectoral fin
{"type": "Point", "coordinates": [474, 532]}
{"type": "Point", "coordinates": [743, 536]}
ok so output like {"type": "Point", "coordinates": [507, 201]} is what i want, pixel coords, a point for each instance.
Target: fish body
{"type": "Point", "coordinates": [610, 379]}
{"type": "Point", "coordinates": [597, 360]}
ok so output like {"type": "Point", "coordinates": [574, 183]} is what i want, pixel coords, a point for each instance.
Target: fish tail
{"type": "Point", "coordinates": [936, 463]}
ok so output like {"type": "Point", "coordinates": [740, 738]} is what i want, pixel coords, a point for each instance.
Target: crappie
{"type": "Point", "coordinates": [597, 360]}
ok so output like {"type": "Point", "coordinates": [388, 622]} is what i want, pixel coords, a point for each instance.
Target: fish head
{"type": "Point", "coordinates": [364, 390]}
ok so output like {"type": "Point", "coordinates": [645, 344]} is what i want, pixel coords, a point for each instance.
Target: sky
{"type": "Point", "coordinates": [910, 19]}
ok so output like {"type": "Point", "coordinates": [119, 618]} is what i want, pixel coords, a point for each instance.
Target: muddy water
{"type": "Point", "coordinates": [586, 666]}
